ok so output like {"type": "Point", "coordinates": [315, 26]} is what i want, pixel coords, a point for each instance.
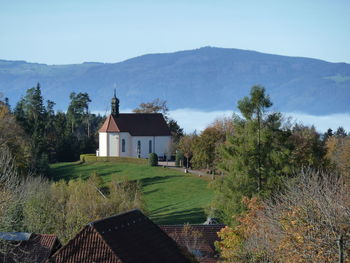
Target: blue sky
{"type": "Point", "coordinates": [65, 32]}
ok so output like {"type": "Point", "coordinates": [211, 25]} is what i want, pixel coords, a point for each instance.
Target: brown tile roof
{"type": "Point", "coordinates": [87, 246]}
{"type": "Point", "coordinates": [109, 125]}
{"type": "Point", "coordinates": [49, 244]}
{"type": "Point", "coordinates": [126, 238]}
{"type": "Point", "coordinates": [38, 248]}
{"type": "Point", "coordinates": [137, 124]}
{"type": "Point", "coordinates": [198, 239]}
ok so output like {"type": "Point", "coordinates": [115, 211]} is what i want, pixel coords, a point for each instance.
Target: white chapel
{"type": "Point", "coordinates": [133, 134]}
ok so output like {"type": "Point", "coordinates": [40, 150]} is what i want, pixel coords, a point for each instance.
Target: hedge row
{"type": "Point", "coordinates": [91, 158]}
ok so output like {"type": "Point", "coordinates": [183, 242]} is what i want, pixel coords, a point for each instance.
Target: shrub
{"type": "Point", "coordinates": [64, 208]}
{"type": "Point", "coordinates": [153, 159]}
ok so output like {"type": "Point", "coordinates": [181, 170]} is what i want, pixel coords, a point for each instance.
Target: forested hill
{"type": "Point", "coordinates": [206, 78]}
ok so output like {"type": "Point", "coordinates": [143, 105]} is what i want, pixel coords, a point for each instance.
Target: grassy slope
{"type": "Point", "coordinates": [171, 197]}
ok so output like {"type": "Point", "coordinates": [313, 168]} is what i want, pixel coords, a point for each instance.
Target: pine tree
{"type": "Point", "coordinates": [78, 112]}
{"type": "Point", "coordinates": [254, 158]}
{"type": "Point", "coordinates": [31, 113]}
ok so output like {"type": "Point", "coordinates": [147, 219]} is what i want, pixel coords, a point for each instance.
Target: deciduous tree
{"type": "Point", "coordinates": [307, 222]}
{"type": "Point", "coordinates": [205, 147]}
{"type": "Point", "coordinates": [186, 146]}
{"type": "Point", "coordinates": [155, 106]}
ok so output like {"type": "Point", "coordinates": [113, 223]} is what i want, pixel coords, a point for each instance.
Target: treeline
{"type": "Point", "coordinates": [32, 135]}
{"type": "Point", "coordinates": [36, 205]}
{"type": "Point", "coordinates": [281, 188]}
{"type": "Point", "coordinates": [257, 151]}
{"type": "Point", "coordinates": [38, 135]}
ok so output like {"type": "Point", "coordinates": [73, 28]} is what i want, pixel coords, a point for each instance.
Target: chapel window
{"type": "Point", "coordinates": [123, 145]}
{"type": "Point", "coordinates": [150, 146]}
{"type": "Point", "coordinates": [139, 149]}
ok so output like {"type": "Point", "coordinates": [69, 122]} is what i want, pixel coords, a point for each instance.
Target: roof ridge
{"type": "Point", "coordinates": [141, 113]}
{"type": "Point", "coordinates": [195, 225]}
{"type": "Point", "coordinates": [111, 217]}
{"type": "Point", "coordinates": [53, 235]}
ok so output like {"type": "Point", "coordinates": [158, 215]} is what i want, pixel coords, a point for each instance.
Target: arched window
{"type": "Point", "coordinates": [123, 145]}
{"type": "Point", "coordinates": [139, 149]}
{"type": "Point", "coordinates": [150, 146]}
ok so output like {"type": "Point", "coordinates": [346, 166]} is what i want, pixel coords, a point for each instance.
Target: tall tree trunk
{"type": "Point", "coordinates": [341, 248]}
{"type": "Point", "coordinates": [259, 155]}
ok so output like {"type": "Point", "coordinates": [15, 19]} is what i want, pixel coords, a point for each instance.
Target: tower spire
{"type": "Point", "coordinates": [115, 105]}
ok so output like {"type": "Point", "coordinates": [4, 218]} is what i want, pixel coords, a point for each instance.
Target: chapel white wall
{"type": "Point", "coordinates": [110, 144]}
{"type": "Point", "coordinates": [128, 144]}
{"type": "Point", "coordinates": [102, 144]}
{"type": "Point", "coordinates": [113, 144]}
{"type": "Point", "coordinates": [160, 145]}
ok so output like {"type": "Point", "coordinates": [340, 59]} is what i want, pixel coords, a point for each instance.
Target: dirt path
{"type": "Point", "coordinates": [171, 165]}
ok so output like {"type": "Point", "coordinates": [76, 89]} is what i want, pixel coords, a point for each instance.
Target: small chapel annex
{"type": "Point", "coordinates": [133, 134]}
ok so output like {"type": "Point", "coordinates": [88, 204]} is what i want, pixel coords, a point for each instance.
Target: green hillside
{"type": "Point", "coordinates": [172, 197]}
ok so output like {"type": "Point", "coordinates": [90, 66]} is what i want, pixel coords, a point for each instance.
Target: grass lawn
{"type": "Point", "coordinates": [172, 197]}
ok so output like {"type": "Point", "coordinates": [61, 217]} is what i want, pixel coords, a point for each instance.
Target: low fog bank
{"type": "Point", "coordinates": [192, 119]}
{"type": "Point", "coordinates": [197, 120]}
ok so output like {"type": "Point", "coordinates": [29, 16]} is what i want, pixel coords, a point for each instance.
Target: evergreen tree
{"type": "Point", "coordinates": [329, 133]}
{"type": "Point", "coordinates": [176, 131]}
{"type": "Point", "coordinates": [78, 112]}
{"type": "Point", "coordinates": [31, 113]}
{"type": "Point", "coordinates": [340, 132]}
{"type": "Point", "coordinates": [254, 159]}
{"type": "Point", "coordinates": [7, 104]}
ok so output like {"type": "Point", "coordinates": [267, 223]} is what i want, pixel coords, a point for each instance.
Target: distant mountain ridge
{"type": "Point", "coordinates": [206, 79]}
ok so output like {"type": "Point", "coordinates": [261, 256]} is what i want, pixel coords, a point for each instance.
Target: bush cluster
{"type": "Point", "coordinates": [153, 159]}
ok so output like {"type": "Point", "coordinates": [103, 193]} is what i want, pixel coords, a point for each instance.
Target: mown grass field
{"type": "Point", "coordinates": [171, 197]}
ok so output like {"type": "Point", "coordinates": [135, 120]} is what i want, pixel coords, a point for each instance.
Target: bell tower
{"type": "Point", "coordinates": [115, 106]}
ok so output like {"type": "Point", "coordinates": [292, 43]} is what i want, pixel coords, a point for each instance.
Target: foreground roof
{"type": "Point", "coordinates": [125, 238]}
{"type": "Point", "coordinates": [28, 247]}
{"type": "Point", "coordinates": [198, 239]}
{"type": "Point", "coordinates": [137, 124]}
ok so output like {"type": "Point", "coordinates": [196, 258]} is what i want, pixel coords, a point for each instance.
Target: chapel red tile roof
{"type": "Point", "coordinates": [109, 125]}
{"type": "Point", "coordinates": [199, 239]}
{"type": "Point", "coordinates": [125, 238]}
{"type": "Point", "coordinates": [137, 124]}
{"type": "Point", "coordinates": [38, 248]}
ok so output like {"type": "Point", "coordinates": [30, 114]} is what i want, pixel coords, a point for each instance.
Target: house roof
{"type": "Point", "coordinates": [125, 238]}
{"type": "Point", "coordinates": [198, 239]}
{"type": "Point", "coordinates": [137, 124]}
{"type": "Point", "coordinates": [29, 247]}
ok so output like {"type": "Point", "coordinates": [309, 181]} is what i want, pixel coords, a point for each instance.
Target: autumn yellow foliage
{"type": "Point", "coordinates": [305, 223]}
{"type": "Point", "coordinates": [338, 151]}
